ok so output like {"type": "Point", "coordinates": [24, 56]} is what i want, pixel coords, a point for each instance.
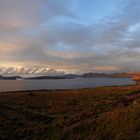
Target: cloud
{"type": "Point", "coordinates": [58, 35]}
{"type": "Point", "coordinates": [29, 71]}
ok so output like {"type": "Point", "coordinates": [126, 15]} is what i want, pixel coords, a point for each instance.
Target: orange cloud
{"type": "Point", "coordinates": [107, 68]}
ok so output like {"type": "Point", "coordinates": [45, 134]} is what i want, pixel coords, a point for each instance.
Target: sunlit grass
{"type": "Point", "coordinates": [105, 113]}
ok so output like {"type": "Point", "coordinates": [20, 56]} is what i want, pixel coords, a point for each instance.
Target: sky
{"type": "Point", "coordinates": [53, 37]}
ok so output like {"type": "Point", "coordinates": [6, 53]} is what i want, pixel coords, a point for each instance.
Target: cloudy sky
{"type": "Point", "coordinates": [69, 36]}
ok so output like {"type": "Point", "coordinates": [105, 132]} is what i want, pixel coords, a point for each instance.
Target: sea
{"type": "Point", "coordinates": [54, 84]}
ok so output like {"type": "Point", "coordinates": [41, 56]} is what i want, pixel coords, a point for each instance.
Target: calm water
{"type": "Point", "coordinates": [16, 85]}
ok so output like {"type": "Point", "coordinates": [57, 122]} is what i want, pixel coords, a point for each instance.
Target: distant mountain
{"type": "Point", "coordinates": [91, 75]}
{"type": "Point", "coordinates": [105, 75]}
{"type": "Point", "coordinates": [10, 77]}
{"type": "Point", "coordinates": [68, 76]}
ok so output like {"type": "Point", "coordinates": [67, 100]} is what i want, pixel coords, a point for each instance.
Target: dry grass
{"type": "Point", "coordinates": [106, 113]}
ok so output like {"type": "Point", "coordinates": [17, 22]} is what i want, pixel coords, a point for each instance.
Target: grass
{"type": "Point", "coordinates": [104, 113]}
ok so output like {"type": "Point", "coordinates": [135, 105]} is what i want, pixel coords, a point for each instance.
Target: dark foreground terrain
{"type": "Point", "coordinates": [106, 113]}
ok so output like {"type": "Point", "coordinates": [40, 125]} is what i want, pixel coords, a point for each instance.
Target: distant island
{"type": "Point", "coordinates": [10, 77]}
{"type": "Point", "coordinates": [70, 76]}
{"type": "Point", "coordinates": [106, 75]}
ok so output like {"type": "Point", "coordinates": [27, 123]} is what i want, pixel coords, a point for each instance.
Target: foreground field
{"type": "Point", "coordinates": [106, 113]}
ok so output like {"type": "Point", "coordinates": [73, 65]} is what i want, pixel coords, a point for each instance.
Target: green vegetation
{"type": "Point", "coordinates": [106, 113]}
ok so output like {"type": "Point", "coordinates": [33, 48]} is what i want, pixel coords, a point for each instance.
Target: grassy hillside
{"type": "Point", "coordinates": [106, 113]}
